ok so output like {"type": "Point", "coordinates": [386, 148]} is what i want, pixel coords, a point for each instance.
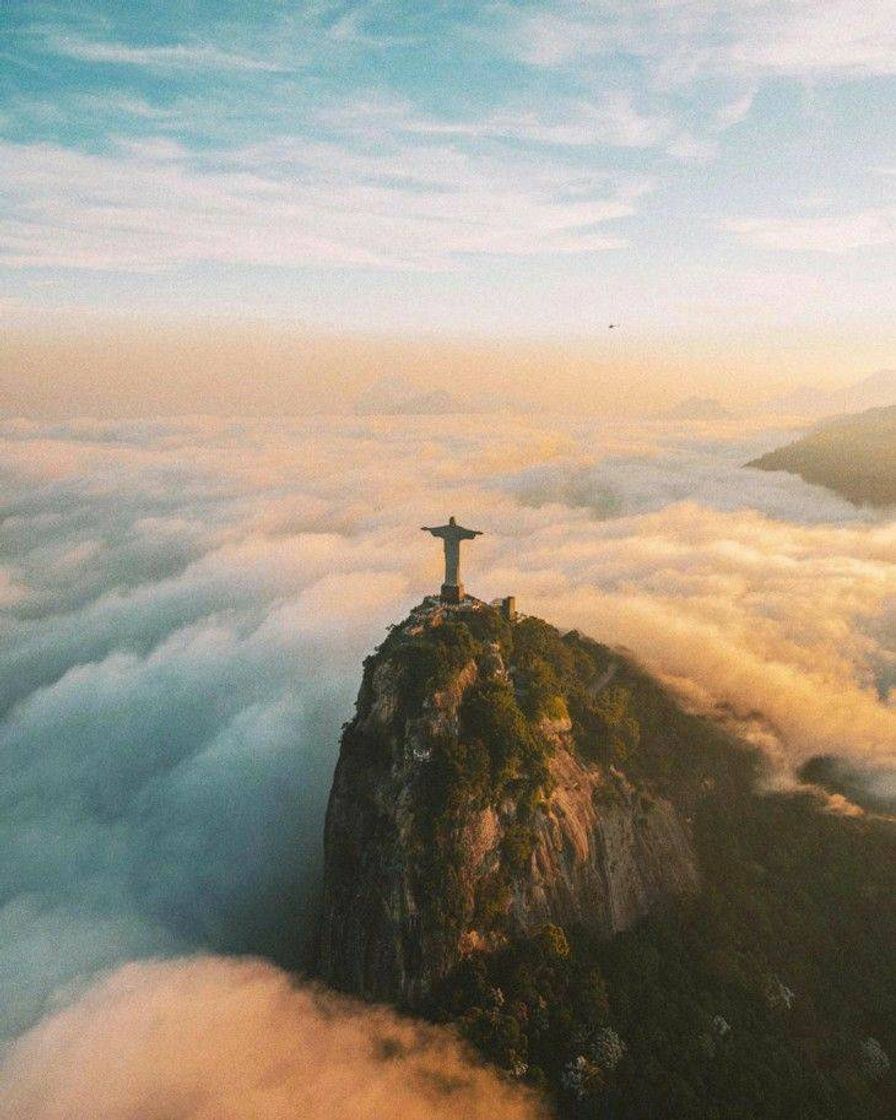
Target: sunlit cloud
{"type": "Point", "coordinates": [209, 1038]}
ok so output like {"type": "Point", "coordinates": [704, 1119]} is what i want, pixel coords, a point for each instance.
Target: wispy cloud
{"type": "Point", "coordinates": [179, 56]}
{"type": "Point", "coordinates": [685, 38]}
{"type": "Point", "coordinates": [610, 119]}
{"type": "Point", "coordinates": [688, 148]}
{"type": "Point", "coordinates": [845, 37]}
{"type": "Point", "coordinates": [735, 111]}
{"type": "Point", "coordinates": [132, 106]}
{"type": "Point", "coordinates": [310, 135]}
{"type": "Point", "coordinates": [293, 202]}
{"type": "Point", "coordinates": [827, 234]}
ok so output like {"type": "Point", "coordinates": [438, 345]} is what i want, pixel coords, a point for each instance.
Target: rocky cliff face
{"type": "Point", "coordinates": [496, 778]}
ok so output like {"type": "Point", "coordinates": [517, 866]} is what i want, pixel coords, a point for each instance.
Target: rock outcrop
{"type": "Point", "coordinates": [495, 778]}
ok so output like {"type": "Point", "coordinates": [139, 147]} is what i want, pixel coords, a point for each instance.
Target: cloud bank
{"type": "Point", "coordinates": [210, 1039]}
{"type": "Point", "coordinates": [186, 605]}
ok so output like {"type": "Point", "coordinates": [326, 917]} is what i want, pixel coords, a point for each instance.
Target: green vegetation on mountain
{"type": "Point", "coordinates": [756, 998]}
{"type": "Point", "coordinates": [768, 992]}
{"type": "Point", "coordinates": [771, 994]}
{"type": "Point", "coordinates": [855, 456]}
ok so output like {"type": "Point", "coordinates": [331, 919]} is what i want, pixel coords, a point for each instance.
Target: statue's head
{"type": "Point", "coordinates": [451, 520]}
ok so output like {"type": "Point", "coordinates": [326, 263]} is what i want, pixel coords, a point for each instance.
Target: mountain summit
{"type": "Point", "coordinates": [527, 836]}
{"type": "Point", "coordinates": [496, 778]}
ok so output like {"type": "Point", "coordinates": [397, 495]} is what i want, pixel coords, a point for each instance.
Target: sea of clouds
{"type": "Point", "coordinates": [185, 607]}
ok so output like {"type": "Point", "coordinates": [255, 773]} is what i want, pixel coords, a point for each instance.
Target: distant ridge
{"type": "Point", "coordinates": [855, 456]}
{"type": "Point", "coordinates": [395, 396]}
{"type": "Point", "coordinates": [392, 395]}
{"type": "Point", "coordinates": [697, 408]}
{"type": "Point", "coordinates": [877, 390]}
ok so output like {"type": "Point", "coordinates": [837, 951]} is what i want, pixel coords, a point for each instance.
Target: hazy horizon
{"type": "Point", "coordinates": [124, 369]}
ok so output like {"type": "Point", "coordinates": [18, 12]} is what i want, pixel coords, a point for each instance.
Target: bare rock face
{"type": "Point", "coordinates": [481, 793]}
{"type": "Point", "coordinates": [602, 858]}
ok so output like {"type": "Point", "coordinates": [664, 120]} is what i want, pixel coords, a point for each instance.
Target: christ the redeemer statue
{"type": "Point", "coordinates": [452, 534]}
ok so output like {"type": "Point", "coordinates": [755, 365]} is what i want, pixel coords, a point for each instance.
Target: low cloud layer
{"type": "Point", "coordinates": [211, 1039]}
{"type": "Point", "coordinates": [186, 605]}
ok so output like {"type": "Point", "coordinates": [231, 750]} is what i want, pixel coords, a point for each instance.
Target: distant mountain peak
{"type": "Point", "coordinates": [853, 455]}
{"type": "Point", "coordinates": [396, 396]}
{"type": "Point", "coordinates": [877, 390]}
{"type": "Point", "coordinates": [698, 408]}
{"type": "Point", "coordinates": [393, 395]}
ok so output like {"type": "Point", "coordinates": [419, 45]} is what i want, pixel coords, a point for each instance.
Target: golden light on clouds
{"type": "Point", "coordinates": [94, 366]}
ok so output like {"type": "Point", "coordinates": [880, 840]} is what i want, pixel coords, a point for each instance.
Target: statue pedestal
{"type": "Point", "coordinates": [452, 593]}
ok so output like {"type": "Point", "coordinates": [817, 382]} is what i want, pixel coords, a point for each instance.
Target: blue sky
{"type": "Point", "coordinates": [504, 168]}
